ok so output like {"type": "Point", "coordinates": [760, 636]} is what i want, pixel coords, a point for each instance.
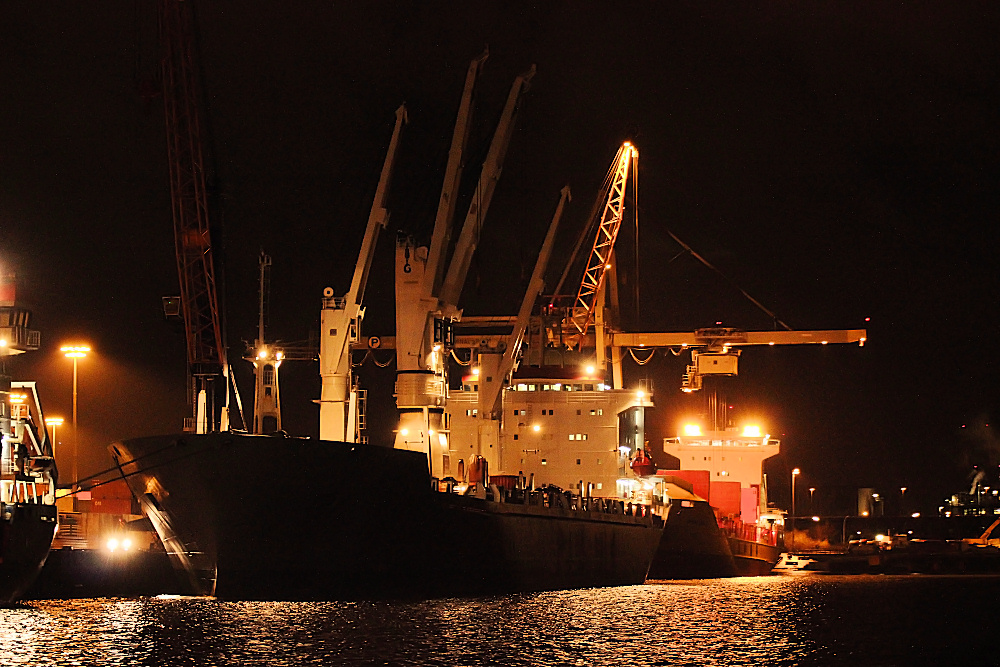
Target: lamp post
{"type": "Point", "coordinates": [54, 422]}
{"type": "Point", "coordinates": [795, 473]}
{"type": "Point", "coordinates": [902, 499]}
{"type": "Point", "coordinates": [812, 489]}
{"type": "Point", "coordinates": [75, 352]}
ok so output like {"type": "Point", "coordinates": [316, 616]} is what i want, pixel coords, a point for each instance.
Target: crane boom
{"type": "Point", "coordinates": [491, 391]}
{"type": "Point", "coordinates": [444, 218]}
{"type": "Point", "coordinates": [604, 241]}
{"type": "Point", "coordinates": [718, 338]}
{"type": "Point", "coordinates": [341, 316]}
{"type": "Point", "coordinates": [458, 268]}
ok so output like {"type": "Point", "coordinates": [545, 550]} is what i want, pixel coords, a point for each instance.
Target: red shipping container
{"type": "Point", "coordinates": [726, 498]}
{"type": "Point", "coordinates": [699, 479]}
{"type": "Point", "coordinates": [115, 490]}
{"type": "Point", "coordinates": [111, 505]}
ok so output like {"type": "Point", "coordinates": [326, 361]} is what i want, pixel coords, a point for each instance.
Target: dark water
{"type": "Point", "coordinates": [778, 620]}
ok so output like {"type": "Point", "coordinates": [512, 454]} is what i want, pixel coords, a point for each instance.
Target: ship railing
{"type": "Point", "coordinates": [553, 497]}
{"type": "Point", "coordinates": [19, 488]}
{"type": "Point", "coordinates": [748, 531]}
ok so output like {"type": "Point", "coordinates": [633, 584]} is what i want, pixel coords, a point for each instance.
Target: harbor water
{"type": "Point", "coordinates": [777, 620]}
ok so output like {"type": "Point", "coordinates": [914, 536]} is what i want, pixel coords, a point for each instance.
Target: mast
{"type": "Point", "coordinates": [266, 361]}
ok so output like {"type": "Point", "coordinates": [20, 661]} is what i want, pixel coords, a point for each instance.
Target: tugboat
{"type": "Point", "coordinates": [28, 515]}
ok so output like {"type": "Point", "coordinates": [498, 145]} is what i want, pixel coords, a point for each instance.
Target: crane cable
{"type": "Point", "coordinates": [644, 361]}
{"type": "Point", "coordinates": [381, 365]}
{"type": "Point", "coordinates": [459, 361]}
{"type": "Point", "coordinates": [729, 280]}
{"type": "Point", "coordinates": [370, 355]}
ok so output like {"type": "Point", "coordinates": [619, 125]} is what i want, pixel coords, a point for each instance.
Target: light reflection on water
{"type": "Point", "coordinates": [805, 620]}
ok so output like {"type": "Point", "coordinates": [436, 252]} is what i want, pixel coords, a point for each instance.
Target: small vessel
{"type": "Point", "coordinates": [103, 548]}
{"type": "Point", "coordinates": [28, 516]}
{"type": "Point", "coordinates": [789, 562]}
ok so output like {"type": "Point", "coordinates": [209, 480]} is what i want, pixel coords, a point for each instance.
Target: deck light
{"type": "Point", "coordinates": [692, 429]}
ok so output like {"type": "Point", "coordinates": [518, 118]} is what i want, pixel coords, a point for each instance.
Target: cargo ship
{"type": "Point", "coordinates": [28, 516]}
{"type": "Point", "coordinates": [724, 470]}
{"type": "Point", "coordinates": [271, 517]}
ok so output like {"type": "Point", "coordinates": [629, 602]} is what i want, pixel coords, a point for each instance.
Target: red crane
{"type": "Point", "coordinates": [199, 304]}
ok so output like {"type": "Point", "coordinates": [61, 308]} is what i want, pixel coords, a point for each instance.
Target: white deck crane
{"type": "Point", "coordinates": [340, 319]}
{"type": "Point", "coordinates": [426, 305]}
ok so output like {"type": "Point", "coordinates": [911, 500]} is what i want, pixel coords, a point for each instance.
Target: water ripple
{"type": "Point", "coordinates": [748, 621]}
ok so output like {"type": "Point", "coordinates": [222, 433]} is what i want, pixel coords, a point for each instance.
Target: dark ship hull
{"type": "Point", "coordinates": [692, 546]}
{"type": "Point", "coordinates": [26, 531]}
{"type": "Point", "coordinates": [259, 517]}
{"type": "Point", "coordinates": [753, 559]}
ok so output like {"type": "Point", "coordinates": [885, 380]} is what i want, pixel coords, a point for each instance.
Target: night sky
{"type": "Point", "coordinates": [836, 162]}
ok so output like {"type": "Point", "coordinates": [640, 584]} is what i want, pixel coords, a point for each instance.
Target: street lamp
{"type": "Point", "coordinates": [902, 498]}
{"type": "Point", "coordinates": [812, 489]}
{"type": "Point", "coordinates": [54, 422]}
{"type": "Point", "coordinates": [795, 473]}
{"type": "Point", "coordinates": [75, 352]}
